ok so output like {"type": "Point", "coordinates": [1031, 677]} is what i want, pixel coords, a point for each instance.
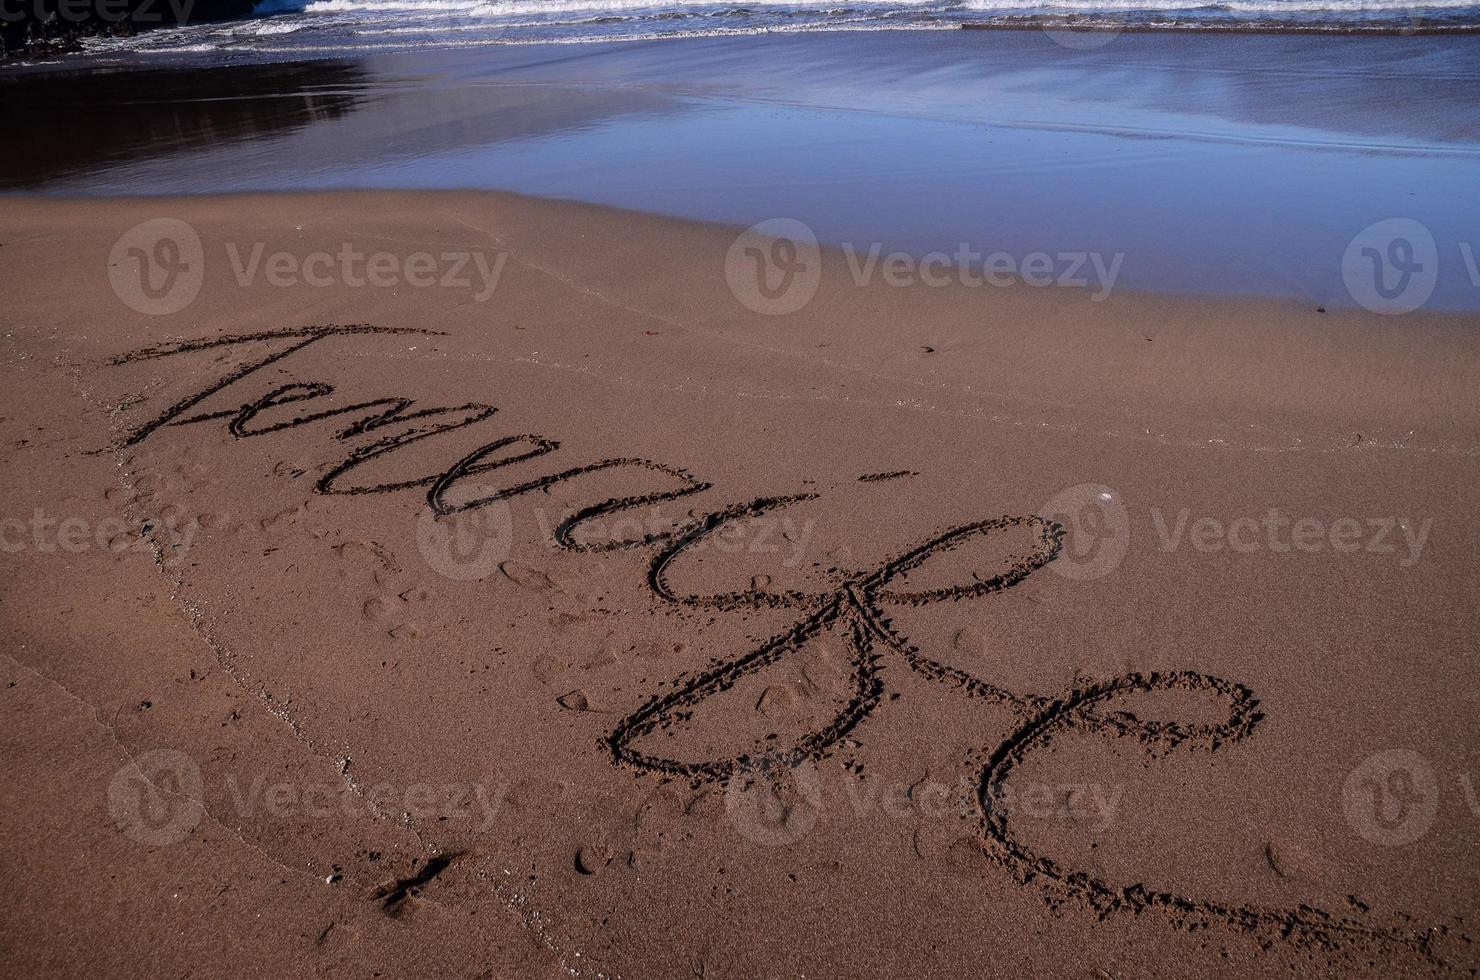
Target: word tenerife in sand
{"type": "Point", "coordinates": [855, 608]}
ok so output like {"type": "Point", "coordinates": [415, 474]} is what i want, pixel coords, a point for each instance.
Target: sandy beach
{"type": "Point", "coordinates": [467, 584]}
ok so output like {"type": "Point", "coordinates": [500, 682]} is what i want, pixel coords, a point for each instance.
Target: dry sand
{"type": "Point", "coordinates": [891, 646]}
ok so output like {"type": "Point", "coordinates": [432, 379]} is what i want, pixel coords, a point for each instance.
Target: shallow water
{"type": "Point", "coordinates": [1208, 163]}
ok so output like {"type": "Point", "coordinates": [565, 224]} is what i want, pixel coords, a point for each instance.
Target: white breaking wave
{"type": "Point", "coordinates": [313, 27]}
{"type": "Point", "coordinates": [409, 7]}
{"type": "Point", "coordinates": [265, 28]}
{"type": "Point", "coordinates": [846, 27]}
{"type": "Point", "coordinates": [1086, 7]}
{"type": "Point", "coordinates": [524, 8]}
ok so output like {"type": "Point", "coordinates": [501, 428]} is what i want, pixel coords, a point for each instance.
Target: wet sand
{"type": "Point", "coordinates": [1214, 164]}
{"type": "Point", "coordinates": [607, 626]}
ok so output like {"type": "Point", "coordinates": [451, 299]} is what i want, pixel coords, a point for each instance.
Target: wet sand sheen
{"type": "Point", "coordinates": [1211, 164]}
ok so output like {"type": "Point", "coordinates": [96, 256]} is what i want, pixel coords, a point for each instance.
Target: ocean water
{"type": "Point", "coordinates": [1209, 162]}
{"type": "Point", "coordinates": [299, 28]}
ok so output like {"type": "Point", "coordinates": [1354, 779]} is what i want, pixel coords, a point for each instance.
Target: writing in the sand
{"type": "Point", "coordinates": [854, 607]}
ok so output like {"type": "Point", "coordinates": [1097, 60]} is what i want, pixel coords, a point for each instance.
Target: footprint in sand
{"type": "Point", "coordinates": [546, 668]}
{"type": "Point", "coordinates": [575, 701]}
{"type": "Point", "coordinates": [367, 553]}
{"type": "Point", "coordinates": [528, 577]}
{"type": "Point", "coordinates": [1286, 859]}
{"type": "Point", "coordinates": [658, 821]}
{"type": "Point", "coordinates": [601, 656]}
{"type": "Point", "coordinates": [562, 622]}
{"type": "Point", "coordinates": [947, 844]}
{"type": "Point", "coordinates": [287, 469]}
{"type": "Point", "coordinates": [969, 640]}
{"type": "Point", "coordinates": [194, 469]}
{"type": "Point", "coordinates": [284, 520]}
{"type": "Point", "coordinates": [213, 520]}
{"type": "Point", "coordinates": [391, 603]}
{"type": "Point", "coordinates": [777, 701]}
{"type": "Point", "coordinates": [657, 649]}
{"type": "Point", "coordinates": [592, 858]}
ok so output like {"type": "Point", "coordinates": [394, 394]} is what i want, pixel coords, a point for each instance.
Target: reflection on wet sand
{"type": "Point", "coordinates": [60, 125]}
{"type": "Point", "coordinates": [1209, 164]}
{"type": "Point", "coordinates": [222, 128]}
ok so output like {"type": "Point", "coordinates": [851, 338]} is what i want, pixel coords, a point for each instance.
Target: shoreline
{"type": "Point", "coordinates": [945, 151]}
{"type": "Point", "coordinates": [846, 260]}
{"type": "Point", "coordinates": [64, 45]}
